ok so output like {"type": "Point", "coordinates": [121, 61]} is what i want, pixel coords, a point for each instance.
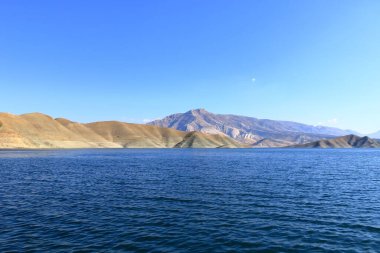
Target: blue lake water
{"type": "Point", "coordinates": [190, 200]}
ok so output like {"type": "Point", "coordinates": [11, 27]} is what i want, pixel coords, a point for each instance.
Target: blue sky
{"type": "Point", "coordinates": [316, 62]}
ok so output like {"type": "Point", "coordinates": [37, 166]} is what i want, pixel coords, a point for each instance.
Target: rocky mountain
{"type": "Point", "coordinates": [349, 141]}
{"type": "Point", "coordinates": [37, 130]}
{"type": "Point", "coordinates": [248, 130]}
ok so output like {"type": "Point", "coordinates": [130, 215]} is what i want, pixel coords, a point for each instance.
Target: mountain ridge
{"type": "Point", "coordinates": [348, 141]}
{"type": "Point", "coordinates": [248, 130]}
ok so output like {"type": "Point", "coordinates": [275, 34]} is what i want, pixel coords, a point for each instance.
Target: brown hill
{"type": "Point", "coordinates": [348, 141]}
{"type": "Point", "coordinates": [36, 130]}
{"type": "Point", "coordinates": [200, 140]}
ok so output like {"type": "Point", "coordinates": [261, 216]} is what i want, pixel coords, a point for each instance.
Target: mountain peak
{"type": "Point", "coordinates": [199, 110]}
{"type": "Point", "coordinates": [350, 136]}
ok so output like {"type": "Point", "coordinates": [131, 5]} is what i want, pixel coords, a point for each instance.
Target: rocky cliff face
{"type": "Point", "coordinates": [349, 141]}
{"type": "Point", "coordinates": [252, 131]}
{"type": "Point", "coordinates": [37, 130]}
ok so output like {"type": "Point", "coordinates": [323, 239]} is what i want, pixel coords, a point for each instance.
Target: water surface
{"type": "Point", "coordinates": [190, 200]}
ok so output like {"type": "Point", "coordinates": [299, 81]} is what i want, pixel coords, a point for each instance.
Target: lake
{"type": "Point", "coordinates": [190, 200]}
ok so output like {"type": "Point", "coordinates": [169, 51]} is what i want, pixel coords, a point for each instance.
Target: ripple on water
{"type": "Point", "coordinates": [190, 200]}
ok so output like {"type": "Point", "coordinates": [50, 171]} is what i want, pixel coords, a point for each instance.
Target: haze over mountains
{"type": "Point", "coordinates": [36, 130]}
{"type": "Point", "coordinates": [248, 130]}
{"type": "Point", "coordinates": [375, 135]}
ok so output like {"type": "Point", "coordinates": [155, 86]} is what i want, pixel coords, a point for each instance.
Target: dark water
{"type": "Point", "coordinates": [190, 200]}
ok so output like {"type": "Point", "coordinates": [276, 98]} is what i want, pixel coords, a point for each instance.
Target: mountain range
{"type": "Point", "coordinates": [349, 141]}
{"type": "Point", "coordinates": [252, 131]}
{"type": "Point", "coordinates": [193, 129]}
{"type": "Point", "coordinates": [36, 130]}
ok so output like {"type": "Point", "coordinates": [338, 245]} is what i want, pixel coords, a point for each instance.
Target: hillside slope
{"type": "Point", "coordinates": [199, 140]}
{"type": "Point", "coordinates": [36, 130]}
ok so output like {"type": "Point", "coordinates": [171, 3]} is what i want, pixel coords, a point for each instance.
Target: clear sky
{"type": "Point", "coordinates": [316, 62]}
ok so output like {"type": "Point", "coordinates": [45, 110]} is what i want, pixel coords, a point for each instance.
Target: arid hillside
{"type": "Point", "coordinates": [36, 130]}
